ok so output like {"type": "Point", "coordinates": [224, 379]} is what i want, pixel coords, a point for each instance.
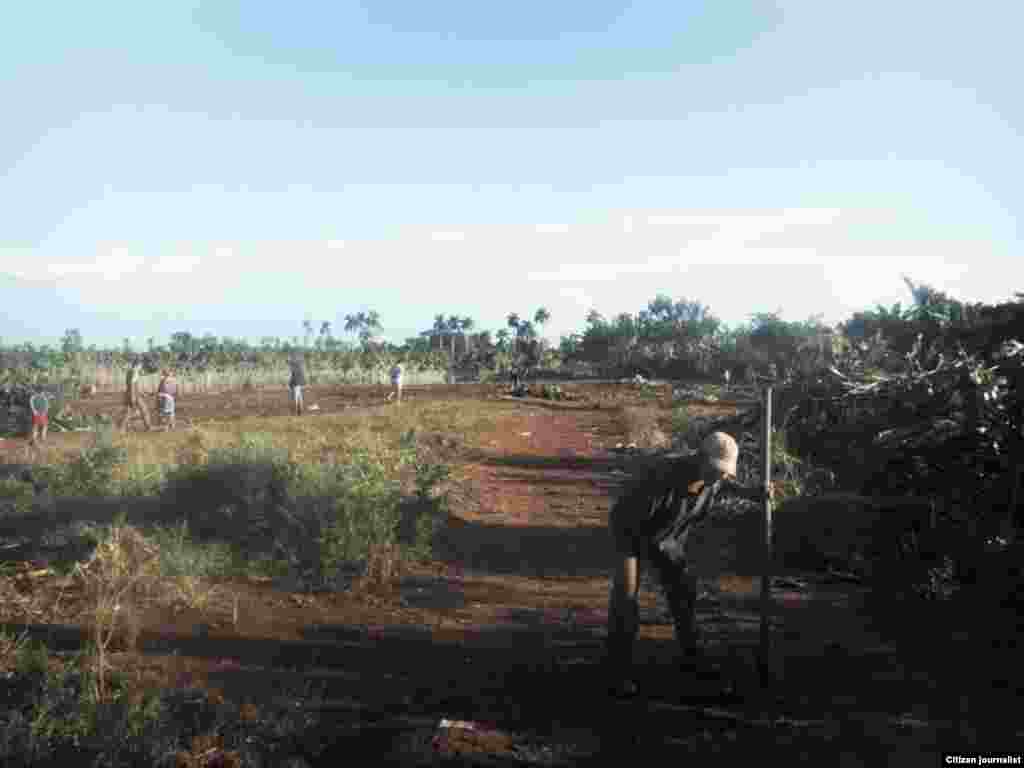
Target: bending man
{"type": "Point", "coordinates": [652, 521]}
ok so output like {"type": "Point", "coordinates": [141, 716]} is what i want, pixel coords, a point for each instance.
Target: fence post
{"type": "Point", "coordinates": [764, 656]}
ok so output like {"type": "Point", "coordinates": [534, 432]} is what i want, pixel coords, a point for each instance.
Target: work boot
{"type": "Point", "coordinates": [618, 668]}
{"type": "Point", "coordinates": [622, 631]}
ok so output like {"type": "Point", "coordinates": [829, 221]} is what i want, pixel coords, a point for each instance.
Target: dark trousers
{"type": "Point", "coordinates": [680, 589]}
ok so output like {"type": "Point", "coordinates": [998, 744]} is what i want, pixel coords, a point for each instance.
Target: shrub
{"type": "Point", "coordinates": [189, 563]}
{"type": "Point", "coordinates": [551, 392]}
{"type": "Point", "coordinates": [315, 520]}
{"type": "Point", "coordinates": [92, 472]}
{"type": "Point", "coordinates": [141, 482]}
{"type": "Point", "coordinates": [16, 496]}
{"type": "Point", "coordinates": [680, 424]}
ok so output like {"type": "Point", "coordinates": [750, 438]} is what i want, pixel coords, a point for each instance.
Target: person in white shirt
{"type": "Point", "coordinates": [396, 382]}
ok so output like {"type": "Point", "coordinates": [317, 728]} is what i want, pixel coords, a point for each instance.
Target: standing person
{"type": "Point", "coordinates": [166, 395]}
{"type": "Point", "coordinates": [39, 404]}
{"type": "Point", "coordinates": [396, 381]}
{"type": "Point", "coordinates": [132, 398]}
{"type": "Point", "coordinates": [726, 377]}
{"type": "Point", "coordinates": [651, 521]}
{"type": "Point", "coordinates": [296, 383]}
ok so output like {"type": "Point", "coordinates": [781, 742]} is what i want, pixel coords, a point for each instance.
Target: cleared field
{"type": "Point", "coordinates": [505, 624]}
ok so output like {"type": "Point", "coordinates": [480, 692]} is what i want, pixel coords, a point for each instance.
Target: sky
{"type": "Point", "coordinates": [237, 167]}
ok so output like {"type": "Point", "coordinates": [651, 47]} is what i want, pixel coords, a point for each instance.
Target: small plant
{"type": "Point", "coordinates": [139, 482]}
{"type": "Point", "coordinates": [16, 495]}
{"type": "Point", "coordinates": [790, 471]}
{"type": "Point", "coordinates": [30, 657]}
{"type": "Point", "coordinates": [92, 473]}
{"type": "Point", "coordinates": [190, 564]}
{"type": "Point", "coordinates": [680, 423]}
{"type": "Point", "coordinates": [123, 565]}
{"type": "Point", "coordinates": [551, 392]}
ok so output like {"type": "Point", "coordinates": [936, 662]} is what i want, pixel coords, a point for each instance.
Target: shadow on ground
{"type": "Point", "coordinates": [531, 551]}
{"type": "Point", "coordinates": [394, 684]}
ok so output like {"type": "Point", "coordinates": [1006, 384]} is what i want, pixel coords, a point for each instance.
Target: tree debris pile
{"type": "Point", "coordinates": [949, 428]}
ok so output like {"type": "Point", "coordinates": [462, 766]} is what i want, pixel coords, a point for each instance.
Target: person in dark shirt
{"type": "Point", "coordinates": [651, 521]}
{"type": "Point", "coordinates": [132, 398]}
{"type": "Point", "coordinates": [296, 383]}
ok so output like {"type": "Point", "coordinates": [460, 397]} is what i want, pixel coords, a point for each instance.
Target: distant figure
{"type": "Point", "coordinates": [726, 376]}
{"type": "Point", "coordinates": [166, 394]}
{"type": "Point", "coordinates": [396, 382]}
{"type": "Point", "coordinates": [40, 405]}
{"type": "Point", "coordinates": [751, 375]}
{"type": "Point", "coordinates": [296, 383]}
{"type": "Point", "coordinates": [515, 378]}
{"type": "Point", "coordinates": [132, 400]}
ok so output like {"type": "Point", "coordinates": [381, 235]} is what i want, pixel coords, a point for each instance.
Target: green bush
{"type": "Point", "coordinates": [16, 495]}
{"type": "Point", "coordinates": [141, 482]}
{"type": "Point", "coordinates": [91, 473]}
{"type": "Point", "coordinates": [319, 519]}
{"type": "Point", "coordinates": [54, 717]}
{"type": "Point", "coordinates": [551, 392]}
{"type": "Point", "coordinates": [182, 556]}
{"type": "Point", "coordinates": [680, 422]}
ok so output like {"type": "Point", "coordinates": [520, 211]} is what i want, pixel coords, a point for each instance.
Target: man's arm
{"type": "Point", "coordinates": [754, 493]}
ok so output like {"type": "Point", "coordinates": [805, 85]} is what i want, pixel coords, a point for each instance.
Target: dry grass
{"type": "Point", "coordinates": [306, 439]}
{"type": "Point", "coordinates": [107, 379]}
{"type": "Point", "coordinates": [645, 426]}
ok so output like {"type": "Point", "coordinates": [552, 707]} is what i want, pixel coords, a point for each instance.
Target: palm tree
{"type": "Point", "coordinates": [440, 328]}
{"type": "Point", "coordinates": [354, 322]}
{"type": "Point", "coordinates": [467, 326]}
{"type": "Point", "coordinates": [541, 316]}
{"type": "Point", "coordinates": [307, 326]}
{"type": "Point", "coordinates": [502, 337]}
{"type": "Point", "coordinates": [371, 323]}
{"type": "Point", "coordinates": [513, 323]}
{"type": "Point", "coordinates": [453, 326]}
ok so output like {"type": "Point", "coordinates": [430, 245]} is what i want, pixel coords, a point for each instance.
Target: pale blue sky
{"type": "Point", "coordinates": [233, 167]}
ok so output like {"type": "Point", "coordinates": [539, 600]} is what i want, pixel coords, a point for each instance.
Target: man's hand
{"type": "Point", "coordinates": [759, 494]}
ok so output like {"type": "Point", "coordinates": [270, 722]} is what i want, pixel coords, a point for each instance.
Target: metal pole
{"type": "Point", "coordinates": [766, 565]}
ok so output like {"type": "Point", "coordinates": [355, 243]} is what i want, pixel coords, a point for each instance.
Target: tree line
{"type": "Point", "coordinates": [666, 337]}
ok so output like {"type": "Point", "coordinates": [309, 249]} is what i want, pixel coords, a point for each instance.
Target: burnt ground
{"type": "Point", "coordinates": [506, 628]}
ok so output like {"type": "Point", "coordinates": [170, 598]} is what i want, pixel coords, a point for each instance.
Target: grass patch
{"type": "Point", "coordinates": [52, 716]}
{"type": "Point", "coordinates": [645, 426]}
{"type": "Point", "coordinates": [191, 564]}
{"type": "Point", "coordinates": [16, 496]}
{"type": "Point", "coordinates": [314, 498]}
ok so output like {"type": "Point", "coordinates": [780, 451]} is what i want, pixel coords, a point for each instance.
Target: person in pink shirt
{"type": "Point", "coordinates": [166, 396]}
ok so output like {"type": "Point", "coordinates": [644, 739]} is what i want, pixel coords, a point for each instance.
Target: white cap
{"type": "Point", "coordinates": [721, 452]}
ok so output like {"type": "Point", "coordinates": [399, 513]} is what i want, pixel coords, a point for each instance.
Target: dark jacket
{"type": "Point", "coordinates": [659, 507]}
{"type": "Point", "coordinates": [298, 378]}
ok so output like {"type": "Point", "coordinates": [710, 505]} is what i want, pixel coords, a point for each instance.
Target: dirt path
{"type": "Point", "coordinates": [507, 628]}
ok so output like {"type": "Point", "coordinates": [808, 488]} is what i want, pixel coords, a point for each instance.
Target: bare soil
{"type": "Point", "coordinates": [506, 628]}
